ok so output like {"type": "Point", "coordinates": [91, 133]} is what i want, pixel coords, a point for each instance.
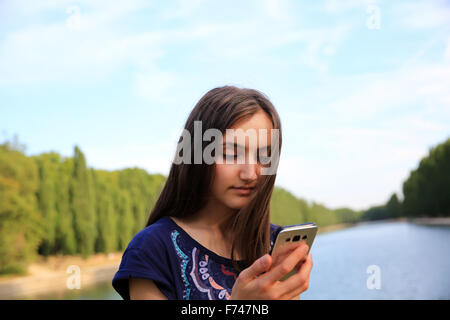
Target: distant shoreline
{"type": "Point", "coordinates": [428, 221]}
{"type": "Point", "coordinates": [49, 275]}
{"type": "Point", "coordinates": [336, 227]}
{"type": "Point", "coordinates": [439, 221]}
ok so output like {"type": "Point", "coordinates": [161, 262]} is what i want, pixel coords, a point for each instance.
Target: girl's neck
{"type": "Point", "coordinates": [211, 226]}
{"type": "Point", "coordinates": [214, 217]}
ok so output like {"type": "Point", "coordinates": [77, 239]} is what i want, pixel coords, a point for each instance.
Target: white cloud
{"type": "Point", "coordinates": [423, 14]}
{"type": "Point", "coordinates": [154, 155]}
{"type": "Point", "coordinates": [278, 9]}
{"type": "Point", "coordinates": [55, 51]}
{"type": "Point", "coordinates": [153, 161]}
{"type": "Point", "coordinates": [182, 9]}
{"type": "Point", "coordinates": [337, 6]}
{"type": "Point", "coordinates": [321, 44]}
{"type": "Point", "coordinates": [385, 92]}
{"type": "Point", "coordinates": [155, 83]}
{"type": "Point", "coordinates": [447, 51]}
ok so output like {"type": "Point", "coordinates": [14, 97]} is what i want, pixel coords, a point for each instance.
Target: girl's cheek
{"type": "Point", "coordinates": [227, 176]}
{"type": "Point", "coordinates": [221, 177]}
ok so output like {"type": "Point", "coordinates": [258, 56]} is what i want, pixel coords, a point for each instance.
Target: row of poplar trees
{"type": "Point", "coordinates": [53, 205]}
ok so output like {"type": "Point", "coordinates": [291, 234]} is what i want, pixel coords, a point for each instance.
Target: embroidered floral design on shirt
{"type": "Point", "coordinates": [184, 261]}
{"type": "Point", "coordinates": [204, 274]}
{"type": "Point", "coordinates": [200, 272]}
{"type": "Point", "coordinates": [228, 273]}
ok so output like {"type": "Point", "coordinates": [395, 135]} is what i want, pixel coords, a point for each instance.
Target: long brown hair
{"type": "Point", "coordinates": [188, 186]}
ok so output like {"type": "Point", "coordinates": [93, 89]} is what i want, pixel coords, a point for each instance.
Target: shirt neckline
{"type": "Point", "coordinates": [211, 253]}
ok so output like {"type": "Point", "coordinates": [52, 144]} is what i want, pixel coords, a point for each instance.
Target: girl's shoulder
{"type": "Point", "coordinates": [155, 233]}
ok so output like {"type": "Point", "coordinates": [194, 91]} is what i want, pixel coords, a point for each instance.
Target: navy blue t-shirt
{"type": "Point", "coordinates": [180, 267]}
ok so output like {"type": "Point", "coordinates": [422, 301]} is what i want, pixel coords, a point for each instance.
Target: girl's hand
{"type": "Point", "coordinates": [261, 281]}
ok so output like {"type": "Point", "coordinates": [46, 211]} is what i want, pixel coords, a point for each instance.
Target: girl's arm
{"type": "Point", "coordinates": [144, 289]}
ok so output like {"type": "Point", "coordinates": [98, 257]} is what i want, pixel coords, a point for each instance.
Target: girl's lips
{"type": "Point", "coordinates": [243, 191]}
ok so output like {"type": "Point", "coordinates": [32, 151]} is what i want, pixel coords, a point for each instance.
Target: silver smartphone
{"type": "Point", "coordinates": [295, 233]}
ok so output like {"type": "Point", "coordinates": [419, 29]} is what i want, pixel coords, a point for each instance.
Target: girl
{"type": "Point", "coordinates": [209, 233]}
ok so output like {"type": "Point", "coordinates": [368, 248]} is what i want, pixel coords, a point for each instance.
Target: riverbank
{"type": "Point", "coordinates": [430, 221]}
{"type": "Point", "coordinates": [336, 227]}
{"type": "Point", "coordinates": [443, 221]}
{"type": "Point", "coordinates": [53, 274]}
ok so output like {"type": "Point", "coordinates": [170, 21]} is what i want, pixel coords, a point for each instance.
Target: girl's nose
{"type": "Point", "coordinates": [249, 171]}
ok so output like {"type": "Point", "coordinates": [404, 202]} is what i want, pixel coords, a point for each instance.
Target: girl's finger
{"type": "Point", "coordinates": [299, 282]}
{"type": "Point", "coordinates": [289, 263]}
{"type": "Point", "coordinates": [259, 266]}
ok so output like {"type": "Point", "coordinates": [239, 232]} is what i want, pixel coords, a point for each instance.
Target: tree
{"type": "Point", "coordinates": [285, 208]}
{"type": "Point", "coordinates": [82, 204]}
{"type": "Point", "coordinates": [426, 191]}
{"type": "Point", "coordinates": [125, 221]}
{"type": "Point", "coordinates": [46, 197]}
{"type": "Point", "coordinates": [21, 224]}
{"type": "Point", "coordinates": [393, 207]}
{"type": "Point", "coordinates": [107, 237]}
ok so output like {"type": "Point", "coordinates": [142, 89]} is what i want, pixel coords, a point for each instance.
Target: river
{"type": "Point", "coordinates": [383, 260]}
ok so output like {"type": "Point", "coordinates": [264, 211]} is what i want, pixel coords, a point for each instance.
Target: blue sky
{"type": "Point", "coordinates": [362, 87]}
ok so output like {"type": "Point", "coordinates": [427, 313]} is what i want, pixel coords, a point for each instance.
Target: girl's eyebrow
{"type": "Point", "coordinates": [234, 144]}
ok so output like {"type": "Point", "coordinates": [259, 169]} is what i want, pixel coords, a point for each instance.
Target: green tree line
{"type": "Point", "coordinates": [287, 209]}
{"type": "Point", "coordinates": [54, 205]}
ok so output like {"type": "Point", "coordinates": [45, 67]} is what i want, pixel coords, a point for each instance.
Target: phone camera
{"type": "Point", "coordinates": [304, 237]}
{"type": "Point", "coordinates": [296, 238]}
{"type": "Point", "coordinates": [288, 239]}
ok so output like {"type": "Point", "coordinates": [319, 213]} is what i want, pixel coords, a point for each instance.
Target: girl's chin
{"type": "Point", "coordinates": [237, 203]}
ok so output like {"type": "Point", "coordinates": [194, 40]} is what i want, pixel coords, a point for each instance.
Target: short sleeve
{"type": "Point", "coordinates": [148, 264]}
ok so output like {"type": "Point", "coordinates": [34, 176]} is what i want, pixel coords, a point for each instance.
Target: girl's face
{"type": "Point", "coordinates": [233, 175]}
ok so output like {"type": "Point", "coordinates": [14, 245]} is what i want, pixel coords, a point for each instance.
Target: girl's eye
{"type": "Point", "coordinates": [264, 157]}
{"type": "Point", "coordinates": [230, 158]}
{"type": "Point", "coordinates": [264, 161]}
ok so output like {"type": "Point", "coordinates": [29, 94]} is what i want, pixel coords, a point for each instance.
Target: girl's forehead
{"type": "Point", "coordinates": [252, 130]}
{"type": "Point", "coordinates": [259, 120]}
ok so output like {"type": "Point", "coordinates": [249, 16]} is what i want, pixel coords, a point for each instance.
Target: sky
{"type": "Point", "coordinates": [361, 87]}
